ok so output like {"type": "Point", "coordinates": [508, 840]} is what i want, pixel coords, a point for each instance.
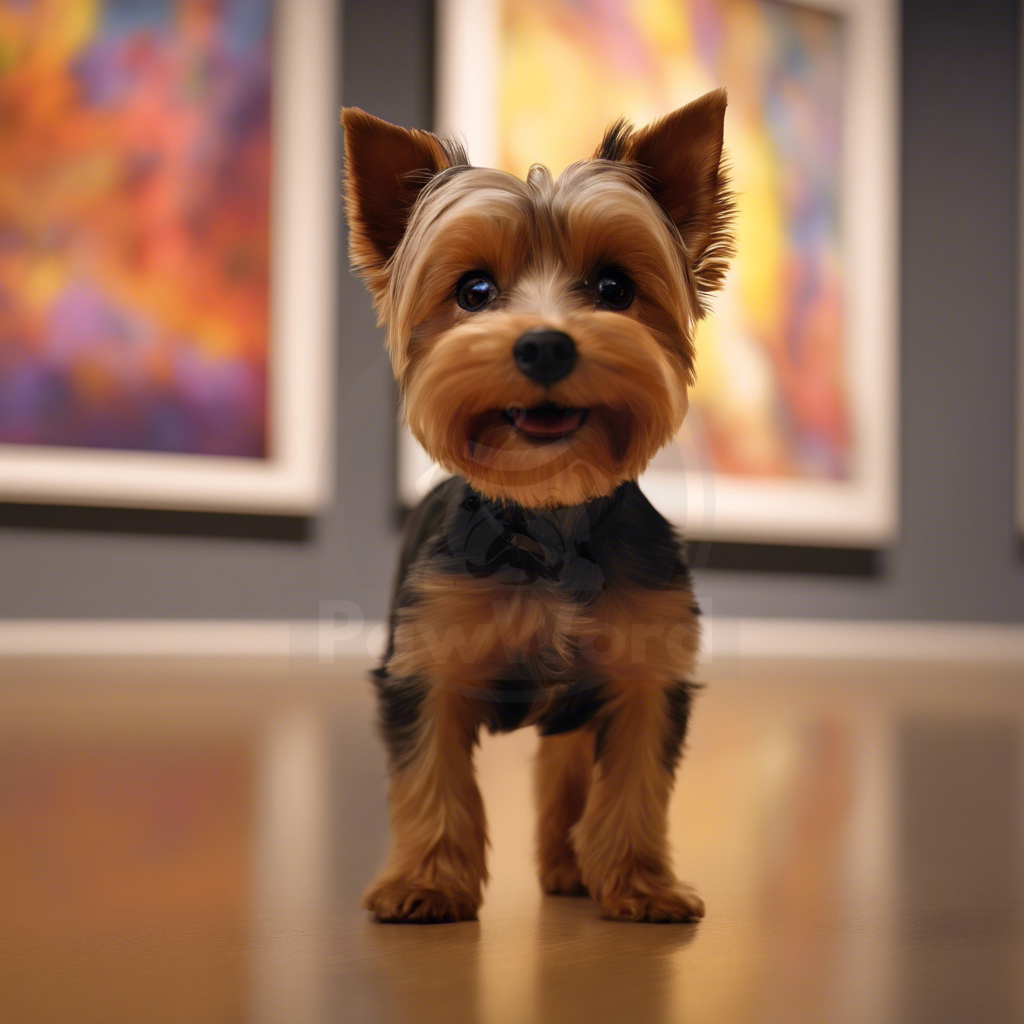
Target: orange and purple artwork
{"type": "Point", "coordinates": [772, 399]}
{"type": "Point", "coordinates": [134, 224]}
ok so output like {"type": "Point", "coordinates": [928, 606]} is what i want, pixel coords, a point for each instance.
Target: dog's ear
{"type": "Point", "coordinates": [681, 155]}
{"type": "Point", "coordinates": [385, 169]}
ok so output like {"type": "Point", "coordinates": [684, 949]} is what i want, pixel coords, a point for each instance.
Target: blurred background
{"type": "Point", "coordinates": [953, 554]}
{"type": "Point", "coordinates": [202, 483]}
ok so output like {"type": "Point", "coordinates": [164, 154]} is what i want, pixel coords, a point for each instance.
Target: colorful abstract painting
{"type": "Point", "coordinates": [772, 395]}
{"type": "Point", "coordinates": [134, 224]}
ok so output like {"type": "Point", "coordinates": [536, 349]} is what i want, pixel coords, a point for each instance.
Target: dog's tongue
{"type": "Point", "coordinates": [548, 421]}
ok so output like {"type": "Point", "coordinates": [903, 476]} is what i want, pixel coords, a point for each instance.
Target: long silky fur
{"type": "Point", "coordinates": [538, 586]}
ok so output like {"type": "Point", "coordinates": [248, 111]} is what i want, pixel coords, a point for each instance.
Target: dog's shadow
{"type": "Point", "coordinates": [589, 968]}
{"type": "Point", "coordinates": [554, 960]}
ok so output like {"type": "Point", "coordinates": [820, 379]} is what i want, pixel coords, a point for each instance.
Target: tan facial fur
{"type": "Point", "coordinates": [652, 204]}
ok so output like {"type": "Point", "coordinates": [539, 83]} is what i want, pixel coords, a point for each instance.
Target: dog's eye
{"type": "Point", "coordinates": [475, 291]}
{"type": "Point", "coordinates": [614, 290]}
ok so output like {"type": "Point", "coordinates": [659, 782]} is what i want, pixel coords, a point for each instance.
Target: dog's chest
{"type": "Point", "coordinates": [518, 598]}
{"type": "Point", "coordinates": [544, 629]}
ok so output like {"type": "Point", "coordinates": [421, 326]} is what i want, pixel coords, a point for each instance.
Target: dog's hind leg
{"type": "Point", "coordinates": [563, 770]}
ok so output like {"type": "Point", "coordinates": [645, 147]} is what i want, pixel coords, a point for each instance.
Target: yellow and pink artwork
{"type": "Point", "coordinates": [772, 397]}
{"type": "Point", "coordinates": [134, 224]}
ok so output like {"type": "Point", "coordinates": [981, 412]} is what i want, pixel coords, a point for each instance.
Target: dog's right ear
{"type": "Point", "coordinates": [385, 169]}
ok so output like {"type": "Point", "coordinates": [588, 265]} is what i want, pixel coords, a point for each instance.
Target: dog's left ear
{"type": "Point", "coordinates": [386, 167]}
{"type": "Point", "coordinates": [682, 155]}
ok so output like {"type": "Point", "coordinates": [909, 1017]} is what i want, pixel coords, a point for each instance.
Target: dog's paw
{"type": "Point", "coordinates": [397, 901]}
{"type": "Point", "coordinates": [664, 905]}
{"type": "Point", "coordinates": [562, 879]}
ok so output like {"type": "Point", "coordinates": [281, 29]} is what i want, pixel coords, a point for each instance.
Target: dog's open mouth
{"type": "Point", "coordinates": [547, 422]}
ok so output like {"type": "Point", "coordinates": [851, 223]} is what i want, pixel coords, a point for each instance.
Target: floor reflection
{"type": "Point", "coordinates": [289, 856]}
{"type": "Point", "coordinates": [124, 866]}
{"type": "Point", "coordinates": [961, 860]}
{"type": "Point", "coordinates": [177, 851]}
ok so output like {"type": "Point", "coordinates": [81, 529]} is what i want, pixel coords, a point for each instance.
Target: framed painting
{"type": "Point", "coordinates": [168, 183]}
{"type": "Point", "coordinates": [1020, 311]}
{"type": "Point", "coordinates": [791, 434]}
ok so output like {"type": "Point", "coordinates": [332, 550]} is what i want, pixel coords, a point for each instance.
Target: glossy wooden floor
{"type": "Point", "coordinates": [186, 842]}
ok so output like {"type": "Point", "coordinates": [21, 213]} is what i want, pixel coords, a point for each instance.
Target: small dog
{"type": "Point", "coordinates": [541, 333]}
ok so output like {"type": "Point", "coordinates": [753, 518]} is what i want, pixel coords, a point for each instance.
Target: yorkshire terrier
{"type": "Point", "coordinates": [541, 333]}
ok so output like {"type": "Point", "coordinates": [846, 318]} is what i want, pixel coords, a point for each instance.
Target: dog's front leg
{"type": "Point", "coordinates": [437, 868]}
{"type": "Point", "coordinates": [622, 838]}
{"type": "Point", "coordinates": [650, 642]}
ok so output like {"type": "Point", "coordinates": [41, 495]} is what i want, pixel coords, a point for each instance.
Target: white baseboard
{"type": "Point", "coordinates": [192, 638]}
{"type": "Point", "coordinates": [862, 640]}
{"type": "Point", "coordinates": [332, 641]}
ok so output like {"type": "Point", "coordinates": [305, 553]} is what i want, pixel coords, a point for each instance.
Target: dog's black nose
{"type": "Point", "coordinates": [545, 355]}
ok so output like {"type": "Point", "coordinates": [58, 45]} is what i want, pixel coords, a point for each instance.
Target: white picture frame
{"type": "Point", "coordinates": [861, 511]}
{"type": "Point", "coordinates": [296, 477]}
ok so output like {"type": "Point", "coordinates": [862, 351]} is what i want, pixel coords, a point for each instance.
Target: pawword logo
{"type": "Point", "coordinates": [513, 545]}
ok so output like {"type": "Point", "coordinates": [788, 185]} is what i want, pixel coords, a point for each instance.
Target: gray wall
{"type": "Point", "coordinates": [957, 556]}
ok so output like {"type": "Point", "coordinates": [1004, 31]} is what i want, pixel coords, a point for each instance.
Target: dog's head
{"type": "Point", "coordinates": [541, 332]}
